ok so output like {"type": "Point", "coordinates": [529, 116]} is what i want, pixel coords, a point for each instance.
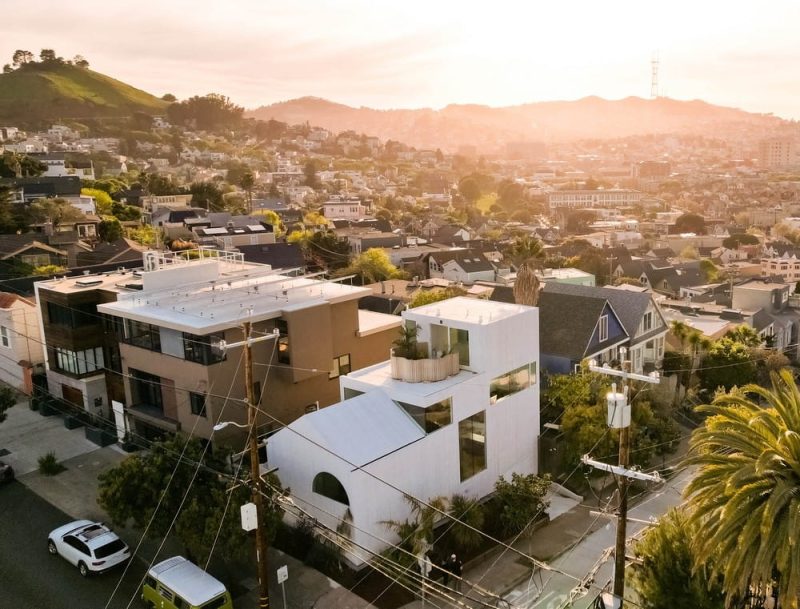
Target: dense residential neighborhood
{"type": "Point", "coordinates": [403, 366]}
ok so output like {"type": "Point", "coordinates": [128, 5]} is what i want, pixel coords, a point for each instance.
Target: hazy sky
{"type": "Point", "coordinates": [413, 53]}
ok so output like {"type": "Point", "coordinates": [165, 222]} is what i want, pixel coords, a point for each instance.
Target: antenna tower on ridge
{"type": "Point", "coordinates": [654, 75]}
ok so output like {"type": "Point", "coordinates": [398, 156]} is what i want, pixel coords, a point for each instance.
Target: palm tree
{"type": "Point", "coordinates": [745, 495]}
{"type": "Point", "coordinates": [468, 515]}
{"type": "Point", "coordinates": [526, 286]}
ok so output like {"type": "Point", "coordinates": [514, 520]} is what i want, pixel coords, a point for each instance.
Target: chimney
{"type": "Point", "coordinates": [383, 287]}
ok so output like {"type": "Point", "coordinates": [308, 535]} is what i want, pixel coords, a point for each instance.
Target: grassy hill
{"type": "Point", "coordinates": [51, 91]}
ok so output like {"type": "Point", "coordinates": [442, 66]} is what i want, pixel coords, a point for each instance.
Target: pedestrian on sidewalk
{"type": "Point", "coordinates": [445, 569]}
{"type": "Point", "coordinates": [455, 566]}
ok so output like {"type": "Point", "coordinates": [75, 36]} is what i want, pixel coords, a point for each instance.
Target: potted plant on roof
{"type": "Point", "coordinates": [405, 345]}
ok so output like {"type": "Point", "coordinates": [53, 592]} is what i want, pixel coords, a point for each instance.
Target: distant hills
{"type": "Point", "coordinates": [487, 127]}
{"type": "Point", "coordinates": [57, 91]}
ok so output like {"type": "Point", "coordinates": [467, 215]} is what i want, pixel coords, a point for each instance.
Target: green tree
{"type": "Point", "coordinates": [21, 58]}
{"type": "Point", "coordinates": [272, 218]}
{"type": "Point", "coordinates": [468, 517]}
{"type": "Point", "coordinates": [153, 484]}
{"type": "Point", "coordinates": [469, 188]}
{"type": "Point", "coordinates": [727, 364]}
{"type": "Point", "coordinates": [80, 61]}
{"type": "Point", "coordinates": [326, 250]}
{"type": "Point", "coordinates": [101, 198]}
{"type": "Point", "coordinates": [745, 494]}
{"type": "Point", "coordinates": [510, 195]}
{"type": "Point", "coordinates": [57, 211]}
{"type": "Point", "coordinates": [207, 194]}
{"type": "Point", "coordinates": [15, 165]}
{"type": "Point", "coordinates": [247, 181]}
{"type": "Point", "coordinates": [47, 55]}
{"type": "Point", "coordinates": [520, 500]}
{"type": "Point", "coordinates": [665, 577]}
{"type": "Point", "coordinates": [372, 266]}
{"type": "Point", "coordinates": [8, 397]}
{"type": "Point", "coordinates": [690, 223]}
{"type": "Point", "coordinates": [709, 270]}
{"type": "Point", "coordinates": [12, 216]}
{"type": "Point", "coordinates": [524, 248]}
{"type": "Point", "coordinates": [425, 297]}
{"type": "Point", "coordinates": [169, 97]}
{"type": "Point", "coordinates": [310, 173]}
{"type": "Point", "coordinates": [110, 229]}
{"type": "Point", "coordinates": [209, 112]}
{"type": "Point", "coordinates": [416, 534]}
{"type": "Point", "coordinates": [734, 241]}
{"type": "Point", "coordinates": [745, 335]}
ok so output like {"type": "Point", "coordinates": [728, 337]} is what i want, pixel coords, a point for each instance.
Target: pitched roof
{"type": "Point", "coordinates": [361, 429]}
{"type": "Point", "coordinates": [567, 323]}
{"type": "Point", "coordinates": [15, 244]}
{"type": "Point", "coordinates": [7, 300]}
{"type": "Point", "coordinates": [629, 307]}
{"type": "Point", "coordinates": [278, 255]}
{"type": "Point", "coordinates": [116, 251]}
{"type": "Point", "coordinates": [469, 260]}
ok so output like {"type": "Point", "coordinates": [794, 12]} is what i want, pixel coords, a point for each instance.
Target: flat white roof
{"type": "Point", "coordinates": [470, 310]}
{"type": "Point", "coordinates": [211, 306]}
{"type": "Point", "coordinates": [370, 322]}
{"type": "Point", "coordinates": [380, 376]}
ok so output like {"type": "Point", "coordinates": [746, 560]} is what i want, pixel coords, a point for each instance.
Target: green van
{"type": "Point", "coordinates": [177, 583]}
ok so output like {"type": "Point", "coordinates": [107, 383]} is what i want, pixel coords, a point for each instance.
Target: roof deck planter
{"type": "Point", "coordinates": [424, 370]}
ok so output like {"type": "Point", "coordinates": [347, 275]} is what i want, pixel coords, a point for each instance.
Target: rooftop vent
{"type": "Point", "coordinates": [85, 283]}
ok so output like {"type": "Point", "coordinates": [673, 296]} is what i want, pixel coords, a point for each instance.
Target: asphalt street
{"type": "Point", "coordinates": [32, 579]}
{"type": "Point", "coordinates": [550, 590]}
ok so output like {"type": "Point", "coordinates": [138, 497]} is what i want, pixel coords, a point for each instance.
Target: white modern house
{"type": "Point", "coordinates": [449, 423]}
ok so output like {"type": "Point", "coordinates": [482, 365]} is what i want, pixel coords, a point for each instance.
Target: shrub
{"type": "Point", "coordinates": [49, 465]}
{"type": "Point", "coordinates": [520, 501]}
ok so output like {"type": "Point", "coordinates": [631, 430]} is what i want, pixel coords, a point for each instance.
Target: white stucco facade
{"type": "Point", "coordinates": [20, 341]}
{"type": "Point", "coordinates": [380, 445]}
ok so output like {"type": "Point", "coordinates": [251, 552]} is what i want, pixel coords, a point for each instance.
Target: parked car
{"type": "Point", "coordinates": [90, 546]}
{"type": "Point", "coordinates": [6, 472]}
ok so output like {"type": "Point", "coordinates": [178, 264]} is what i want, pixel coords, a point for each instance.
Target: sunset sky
{"type": "Point", "coordinates": [428, 53]}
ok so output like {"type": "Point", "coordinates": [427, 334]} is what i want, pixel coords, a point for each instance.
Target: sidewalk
{"type": "Point", "coordinates": [26, 436]}
{"type": "Point", "coordinates": [501, 571]}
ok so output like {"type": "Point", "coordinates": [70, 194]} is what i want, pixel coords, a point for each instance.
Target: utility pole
{"type": "Point", "coordinates": [619, 417]}
{"type": "Point", "coordinates": [255, 473]}
{"type": "Point", "coordinates": [253, 513]}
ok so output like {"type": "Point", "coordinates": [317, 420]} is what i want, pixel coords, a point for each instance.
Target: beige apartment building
{"type": "Point", "coordinates": [177, 373]}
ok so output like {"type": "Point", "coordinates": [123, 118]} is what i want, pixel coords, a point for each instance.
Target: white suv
{"type": "Point", "coordinates": [90, 546]}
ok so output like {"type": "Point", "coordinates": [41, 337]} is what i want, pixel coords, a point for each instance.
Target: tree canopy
{"type": "Point", "coordinates": [372, 266]}
{"type": "Point", "coordinates": [209, 112]}
{"type": "Point", "coordinates": [666, 577]}
{"type": "Point", "coordinates": [153, 484]}
{"type": "Point", "coordinates": [690, 223]}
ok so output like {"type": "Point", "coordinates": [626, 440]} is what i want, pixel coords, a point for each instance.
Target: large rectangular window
{"type": "Point", "coordinates": [472, 445]}
{"type": "Point", "coordinates": [202, 349]}
{"type": "Point", "coordinates": [430, 418]}
{"type": "Point", "coordinates": [340, 366]}
{"type": "Point", "coordinates": [284, 353]}
{"type": "Point", "coordinates": [459, 343]}
{"type": "Point", "coordinates": [512, 382]}
{"type": "Point", "coordinates": [77, 362]}
{"type": "Point", "coordinates": [146, 389]}
{"type": "Point", "coordinates": [75, 316]}
{"type": "Point", "coordinates": [142, 335]}
{"type": "Point", "coordinates": [197, 403]}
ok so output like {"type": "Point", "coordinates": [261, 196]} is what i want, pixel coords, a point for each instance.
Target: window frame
{"type": "Point", "coordinates": [466, 442]}
{"type": "Point", "coordinates": [602, 328]}
{"type": "Point", "coordinates": [337, 367]}
{"type": "Point", "coordinates": [5, 337]}
{"type": "Point", "coordinates": [201, 410]}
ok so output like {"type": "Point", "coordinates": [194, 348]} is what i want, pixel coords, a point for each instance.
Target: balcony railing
{"type": "Point", "coordinates": [425, 370]}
